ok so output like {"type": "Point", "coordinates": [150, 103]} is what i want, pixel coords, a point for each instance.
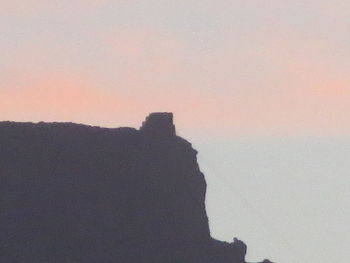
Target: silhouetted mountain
{"type": "Point", "coordinates": [82, 194]}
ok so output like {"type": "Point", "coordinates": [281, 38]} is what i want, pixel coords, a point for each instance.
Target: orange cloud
{"type": "Point", "coordinates": [269, 85]}
{"type": "Point", "coordinates": [62, 98]}
{"type": "Point", "coordinates": [197, 112]}
{"type": "Point", "coordinates": [51, 97]}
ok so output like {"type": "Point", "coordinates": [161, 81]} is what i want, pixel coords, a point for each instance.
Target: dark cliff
{"type": "Point", "coordinates": [75, 193]}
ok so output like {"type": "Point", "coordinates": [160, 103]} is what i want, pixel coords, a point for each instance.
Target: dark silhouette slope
{"type": "Point", "coordinates": [75, 193]}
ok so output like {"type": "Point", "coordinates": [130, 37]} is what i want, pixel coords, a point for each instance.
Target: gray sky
{"type": "Point", "coordinates": [287, 198]}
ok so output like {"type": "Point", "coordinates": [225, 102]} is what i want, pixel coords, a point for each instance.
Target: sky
{"type": "Point", "coordinates": [261, 89]}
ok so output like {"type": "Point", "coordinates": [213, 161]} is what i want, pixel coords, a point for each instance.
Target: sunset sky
{"type": "Point", "coordinates": [261, 88]}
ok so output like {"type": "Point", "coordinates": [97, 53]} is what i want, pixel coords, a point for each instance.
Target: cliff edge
{"type": "Point", "coordinates": [82, 194]}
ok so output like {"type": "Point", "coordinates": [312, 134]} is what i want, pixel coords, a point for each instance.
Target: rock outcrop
{"type": "Point", "coordinates": [76, 193]}
{"type": "Point", "coordinates": [159, 124]}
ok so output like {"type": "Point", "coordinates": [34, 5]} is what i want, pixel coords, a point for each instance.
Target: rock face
{"type": "Point", "coordinates": [75, 193]}
{"type": "Point", "coordinates": [159, 124]}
